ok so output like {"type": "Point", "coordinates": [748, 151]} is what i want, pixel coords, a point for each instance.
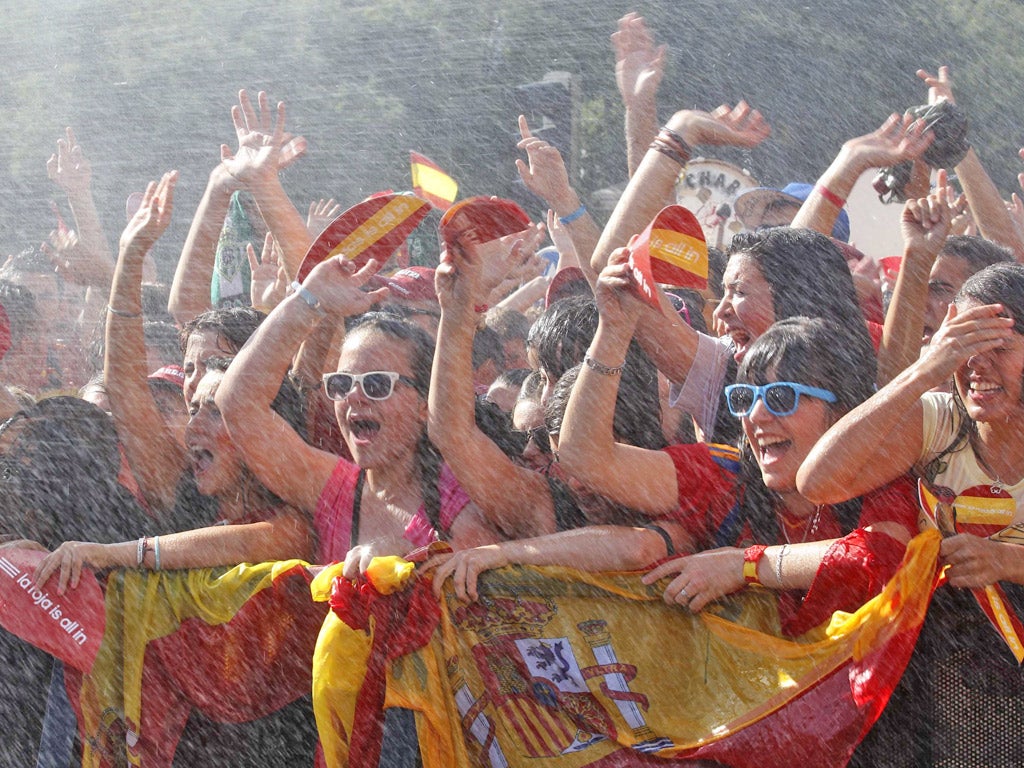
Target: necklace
{"type": "Point", "coordinates": [997, 486]}
{"type": "Point", "coordinates": [809, 529]}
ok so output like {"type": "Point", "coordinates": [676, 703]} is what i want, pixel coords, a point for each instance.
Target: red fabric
{"type": "Point", "coordinates": [403, 622]}
{"type": "Point", "coordinates": [875, 332]}
{"type": "Point", "coordinates": [707, 491]}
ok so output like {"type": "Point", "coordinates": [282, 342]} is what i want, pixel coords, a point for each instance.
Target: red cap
{"type": "Point", "coordinates": [409, 284]}
{"type": "Point", "coordinates": [172, 374]}
{"type": "Point", "coordinates": [567, 282]}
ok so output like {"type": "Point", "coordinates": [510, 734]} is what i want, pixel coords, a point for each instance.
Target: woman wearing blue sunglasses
{"type": "Point", "coordinates": [751, 526]}
{"type": "Point", "coordinates": [745, 518]}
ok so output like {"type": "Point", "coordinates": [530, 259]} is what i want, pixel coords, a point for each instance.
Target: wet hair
{"type": "Point", "coordinates": [421, 358]}
{"type": "Point", "coordinates": [288, 403]}
{"type": "Point", "coordinates": [20, 306]}
{"type": "Point", "coordinates": [497, 425]}
{"type": "Point", "coordinates": [513, 378]}
{"type": "Point", "coordinates": [233, 324]}
{"type": "Point", "coordinates": [531, 388]}
{"type": "Point", "coordinates": [162, 338]}
{"type": "Point", "coordinates": [814, 352]}
{"type": "Point", "coordinates": [562, 334]}
{"type": "Point", "coordinates": [976, 251]}
{"type": "Point", "coordinates": [808, 276]}
{"type": "Point", "coordinates": [1001, 283]}
{"type": "Point", "coordinates": [717, 259]}
{"type": "Point", "coordinates": [59, 476]}
{"type": "Point", "coordinates": [487, 346]}
{"type": "Point", "coordinates": [31, 261]}
{"type": "Point", "coordinates": [508, 323]}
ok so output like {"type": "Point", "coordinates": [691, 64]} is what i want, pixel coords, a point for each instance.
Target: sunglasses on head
{"type": "Point", "coordinates": [781, 398]}
{"type": "Point", "coordinates": [376, 385]}
{"type": "Point", "coordinates": [540, 438]}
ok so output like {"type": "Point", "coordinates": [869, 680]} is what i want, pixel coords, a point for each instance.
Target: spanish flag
{"type": "Point", "coordinates": [580, 670]}
{"type": "Point", "coordinates": [431, 183]}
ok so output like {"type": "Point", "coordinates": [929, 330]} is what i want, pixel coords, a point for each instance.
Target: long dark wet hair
{"type": "Point", "coordinates": [59, 476]}
{"type": "Point", "coordinates": [808, 351]}
{"type": "Point", "coordinates": [421, 359]}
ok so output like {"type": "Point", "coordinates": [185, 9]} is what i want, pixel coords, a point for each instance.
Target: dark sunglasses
{"type": "Point", "coordinates": [540, 438]}
{"type": "Point", "coordinates": [376, 385]}
{"type": "Point", "coordinates": [781, 398]}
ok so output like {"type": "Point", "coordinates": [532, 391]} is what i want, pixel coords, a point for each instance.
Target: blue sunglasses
{"type": "Point", "coordinates": [781, 398]}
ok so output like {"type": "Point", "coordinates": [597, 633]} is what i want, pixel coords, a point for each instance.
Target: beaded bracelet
{"type": "Point", "coordinates": [156, 553]}
{"type": "Point", "coordinates": [681, 144]}
{"type": "Point", "coordinates": [778, 563]}
{"type": "Point", "coordinates": [140, 552]}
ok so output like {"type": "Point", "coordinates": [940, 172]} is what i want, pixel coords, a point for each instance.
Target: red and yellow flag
{"type": "Point", "coordinates": [589, 670]}
{"type": "Point", "coordinates": [431, 183]}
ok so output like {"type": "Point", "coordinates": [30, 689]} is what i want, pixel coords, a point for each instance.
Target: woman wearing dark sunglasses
{"type": "Point", "coordinates": [395, 494]}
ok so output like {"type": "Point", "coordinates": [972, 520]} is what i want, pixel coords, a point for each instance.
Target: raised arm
{"type": "Point", "coordinates": [639, 67]}
{"type": "Point", "coordinates": [990, 213]}
{"type": "Point", "coordinates": [671, 343]}
{"type": "Point", "coordinates": [263, 151]}
{"type": "Point", "coordinates": [516, 500]}
{"type": "Point", "coordinates": [70, 170]}
{"type": "Point", "coordinates": [633, 477]}
{"type": "Point", "coordinates": [190, 291]}
{"type": "Point", "coordinates": [546, 177]}
{"type": "Point", "coordinates": [273, 451]}
{"type": "Point", "coordinates": [925, 224]}
{"type": "Point", "coordinates": [883, 437]}
{"type": "Point", "coordinates": [898, 139]}
{"type": "Point", "coordinates": [156, 458]}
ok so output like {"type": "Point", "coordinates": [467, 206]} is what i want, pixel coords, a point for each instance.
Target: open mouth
{"type": "Point", "coordinates": [201, 460]}
{"type": "Point", "coordinates": [741, 340]}
{"type": "Point", "coordinates": [981, 391]}
{"type": "Point", "coordinates": [363, 430]}
{"type": "Point", "coordinates": [772, 449]}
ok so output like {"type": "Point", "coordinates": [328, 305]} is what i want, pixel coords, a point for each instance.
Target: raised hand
{"type": "Point", "coordinates": [269, 280]}
{"type": "Point", "coordinates": [68, 168]}
{"type": "Point", "coordinates": [545, 175]}
{"type": "Point", "coordinates": [940, 86]}
{"type": "Point", "coordinates": [321, 213]}
{"type": "Point", "coordinates": [898, 139]}
{"type": "Point", "coordinates": [925, 223]}
{"type": "Point", "coordinates": [616, 293]}
{"type": "Point", "coordinates": [153, 216]}
{"type": "Point", "coordinates": [338, 285]}
{"type": "Point", "coordinates": [964, 333]}
{"type": "Point", "coordinates": [739, 126]}
{"type": "Point", "coordinates": [263, 146]}
{"type": "Point", "coordinates": [639, 65]}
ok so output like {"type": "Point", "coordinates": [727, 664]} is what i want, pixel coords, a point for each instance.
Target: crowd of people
{"type": "Point", "coordinates": [768, 432]}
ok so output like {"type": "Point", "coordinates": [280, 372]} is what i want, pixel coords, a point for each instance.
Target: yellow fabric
{"type": "Point", "coordinates": [147, 605]}
{"type": "Point", "coordinates": [434, 181]}
{"type": "Point", "coordinates": [632, 665]}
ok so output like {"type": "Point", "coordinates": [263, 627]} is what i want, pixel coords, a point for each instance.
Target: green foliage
{"type": "Point", "coordinates": [149, 87]}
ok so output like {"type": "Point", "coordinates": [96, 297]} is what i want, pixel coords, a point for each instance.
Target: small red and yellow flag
{"type": "Point", "coordinates": [431, 183]}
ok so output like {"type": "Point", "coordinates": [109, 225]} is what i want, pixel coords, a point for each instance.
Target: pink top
{"type": "Point", "coordinates": [333, 518]}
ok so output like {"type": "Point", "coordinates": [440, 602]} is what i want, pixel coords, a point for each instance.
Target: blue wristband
{"type": "Point", "coordinates": [563, 220]}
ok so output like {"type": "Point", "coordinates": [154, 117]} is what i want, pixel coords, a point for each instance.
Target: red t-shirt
{"type": "Point", "coordinates": [854, 568]}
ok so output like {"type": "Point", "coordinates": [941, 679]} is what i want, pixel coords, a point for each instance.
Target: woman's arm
{"type": "Point", "coordinates": [594, 548]}
{"type": "Point", "coordinates": [287, 535]}
{"type": "Point", "coordinates": [156, 458]}
{"type": "Point", "coordinates": [276, 454]}
{"type": "Point", "coordinates": [883, 437]}
{"type": "Point", "coordinates": [925, 225]}
{"type": "Point", "coordinates": [635, 477]}
{"type": "Point", "coordinates": [516, 500]}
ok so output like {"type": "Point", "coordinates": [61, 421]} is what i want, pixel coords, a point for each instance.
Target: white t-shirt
{"type": "Point", "coordinates": [962, 469]}
{"type": "Point", "coordinates": [698, 395]}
